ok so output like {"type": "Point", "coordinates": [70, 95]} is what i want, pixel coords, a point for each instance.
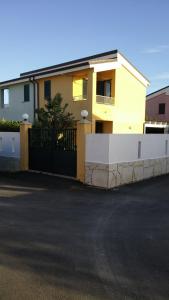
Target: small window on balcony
{"type": "Point", "coordinates": [161, 109]}
{"type": "Point", "coordinates": [107, 88]}
{"type": "Point", "coordinates": [104, 88]}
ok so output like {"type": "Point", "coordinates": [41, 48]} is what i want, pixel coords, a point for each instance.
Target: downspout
{"type": "Point", "coordinates": [35, 103]}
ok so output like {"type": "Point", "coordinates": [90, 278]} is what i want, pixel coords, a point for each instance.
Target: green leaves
{"type": "Point", "coordinates": [9, 126]}
{"type": "Point", "coordinates": [54, 115]}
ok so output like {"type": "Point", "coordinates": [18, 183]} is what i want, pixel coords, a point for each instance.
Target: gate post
{"type": "Point", "coordinates": [24, 145]}
{"type": "Point", "coordinates": [83, 127]}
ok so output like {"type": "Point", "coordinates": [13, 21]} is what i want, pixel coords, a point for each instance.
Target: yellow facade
{"type": "Point", "coordinates": [65, 85]}
{"type": "Point", "coordinates": [125, 115]}
{"type": "Point", "coordinates": [129, 109]}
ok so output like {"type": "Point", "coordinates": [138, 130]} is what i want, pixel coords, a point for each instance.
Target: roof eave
{"type": "Point", "coordinates": [13, 81]}
{"type": "Point", "coordinates": [69, 63]}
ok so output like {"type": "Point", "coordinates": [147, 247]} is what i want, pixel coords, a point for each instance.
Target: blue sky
{"type": "Point", "coordinates": [41, 33]}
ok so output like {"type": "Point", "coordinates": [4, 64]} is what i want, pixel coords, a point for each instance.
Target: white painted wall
{"type": "Point", "coordinates": [17, 106]}
{"type": "Point", "coordinates": [10, 144]}
{"type": "Point", "coordinates": [97, 148]}
{"type": "Point", "coordinates": [116, 148]}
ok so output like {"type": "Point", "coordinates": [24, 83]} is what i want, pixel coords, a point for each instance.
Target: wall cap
{"type": "Point", "coordinates": [84, 121]}
{"type": "Point", "coordinates": [25, 123]}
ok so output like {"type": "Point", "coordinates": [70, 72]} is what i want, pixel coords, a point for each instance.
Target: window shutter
{"type": "Point", "coordinates": [100, 88]}
{"type": "Point", "coordinates": [2, 98]}
{"type": "Point", "coordinates": [26, 93]}
{"type": "Point", "coordinates": [47, 89]}
{"type": "Point", "coordinates": [84, 88]}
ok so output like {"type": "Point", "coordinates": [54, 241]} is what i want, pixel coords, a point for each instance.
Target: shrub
{"type": "Point", "coordinates": [9, 126]}
{"type": "Point", "coordinates": [54, 115]}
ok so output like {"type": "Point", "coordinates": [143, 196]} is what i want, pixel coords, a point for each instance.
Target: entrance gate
{"type": "Point", "coordinates": [53, 151]}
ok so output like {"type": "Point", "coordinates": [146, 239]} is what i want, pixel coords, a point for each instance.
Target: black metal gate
{"type": "Point", "coordinates": [53, 151]}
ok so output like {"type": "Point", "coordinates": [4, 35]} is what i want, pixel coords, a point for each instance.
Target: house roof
{"type": "Point", "coordinates": [18, 79]}
{"type": "Point", "coordinates": [70, 63]}
{"type": "Point", "coordinates": [85, 62]}
{"type": "Point", "coordinates": [158, 92]}
{"type": "Point", "coordinates": [30, 76]}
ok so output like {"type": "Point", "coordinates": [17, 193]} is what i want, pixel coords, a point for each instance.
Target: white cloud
{"type": "Point", "coordinates": [161, 76]}
{"type": "Point", "coordinates": [151, 51]}
{"type": "Point", "coordinates": [156, 49]}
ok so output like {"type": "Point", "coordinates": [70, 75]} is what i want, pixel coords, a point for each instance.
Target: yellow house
{"type": "Point", "coordinates": [109, 87]}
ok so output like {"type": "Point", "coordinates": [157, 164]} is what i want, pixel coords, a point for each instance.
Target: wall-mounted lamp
{"type": "Point", "coordinates": [25, 117]}
{"type": "Point", "coordinates": [84, 113]}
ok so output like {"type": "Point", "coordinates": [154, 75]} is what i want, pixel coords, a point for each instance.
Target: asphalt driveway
{"type": "Point", "coordinates": [62, 240]}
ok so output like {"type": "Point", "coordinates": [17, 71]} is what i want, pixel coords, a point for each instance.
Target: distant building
{"type": "Point", "coordinates": [157, 106]}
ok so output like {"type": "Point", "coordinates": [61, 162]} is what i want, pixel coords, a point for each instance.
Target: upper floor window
{"type": "Point", "coordinates": [26, 93]}
{"type": "Point", "coordinates": [47, 89]}
{"type": "Point", "coordinates": [104, 88]}
{"type": "Point", "coordinates": [79, 89]}
{"type": "Point", "coordinates": [161, 109]}
{"type": "Point", "coordinates": [5, 98]}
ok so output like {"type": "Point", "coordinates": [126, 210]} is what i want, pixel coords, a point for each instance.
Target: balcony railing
{"type": "Point", "coordinates": [99, 99]}
{"type": "Point", "coordinates": [104, 100]}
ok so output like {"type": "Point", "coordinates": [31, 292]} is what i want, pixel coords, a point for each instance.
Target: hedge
{"type": "Point", "coordinates": [9, 126]}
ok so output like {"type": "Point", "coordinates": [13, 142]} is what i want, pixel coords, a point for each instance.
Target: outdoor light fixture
{"type": "Point", "coordinates": [84, 114]}
{"type": "Point", "coordinates": [25, 117]}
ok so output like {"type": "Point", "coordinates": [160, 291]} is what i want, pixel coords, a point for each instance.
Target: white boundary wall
{"type": "Point", "coordinates": [115, 159]}
{"type": "Point", "coordinates": [113, 148]}
{"type": "Point", "coordinates": [9, 151]}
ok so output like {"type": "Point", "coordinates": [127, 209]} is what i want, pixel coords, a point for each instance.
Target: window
{"type": "Point", "coordinates": [161, 109]}
{"type": "Point", "coordinates": [104, 88]}
{"type": "Point", "coordinates": [100, 88]}
{"type": "Point", "coordinates": [26, 93]}
{"type": "Point", "coordinates": [108, 88]}
{"type": "Point", "coordinates": [5, 98]}
{"type": "Point", "coordinates": [80, 89]}
{"type": "Point", "coordinates": [47, 89]}
{"type": "Point", "coordinates": [99, 127]}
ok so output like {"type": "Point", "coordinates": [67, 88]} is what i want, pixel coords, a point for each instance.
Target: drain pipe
{"type": "Point", "coordinates": [35, 99]}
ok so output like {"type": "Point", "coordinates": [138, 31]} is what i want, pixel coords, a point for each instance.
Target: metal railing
{"type": "Point", "coordinates": [156, 122]}
{"type": "Point", "coordinates": [99, 99]}
{"type": "Point", "coordinates": [104, 100]}
{"type": "Point", "coordinates": [50, 138]}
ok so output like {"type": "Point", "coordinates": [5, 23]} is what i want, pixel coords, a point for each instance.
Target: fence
{"type": "Point", "coordinates": [113, 160]}
{"type": "Point", "coordinates": [9, 151]}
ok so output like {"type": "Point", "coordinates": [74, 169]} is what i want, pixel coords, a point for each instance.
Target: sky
{"type": "Point", "coordinates": [38, 33]}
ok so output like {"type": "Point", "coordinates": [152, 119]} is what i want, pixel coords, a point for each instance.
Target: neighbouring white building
{"type": "Point", "coordinates": [16, 98]}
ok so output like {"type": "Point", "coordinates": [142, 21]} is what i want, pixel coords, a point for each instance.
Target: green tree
{"type": "Point", "coordinates": [54, 115]}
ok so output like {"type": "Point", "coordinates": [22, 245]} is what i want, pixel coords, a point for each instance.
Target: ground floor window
{"type": "Point", "coordinates": [99, 127]}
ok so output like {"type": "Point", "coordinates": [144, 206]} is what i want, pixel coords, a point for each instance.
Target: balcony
{"type": "Point", "coordinates": [104, 100]}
